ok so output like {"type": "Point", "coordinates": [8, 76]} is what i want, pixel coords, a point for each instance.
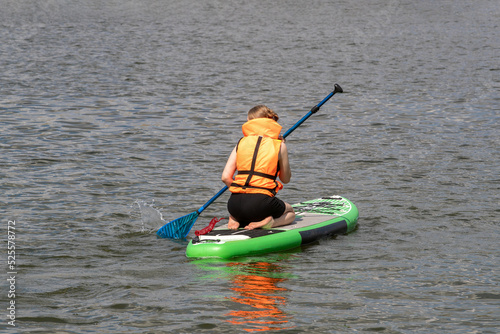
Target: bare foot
{"type": "Point", "coordinates": [260, 224]}
{"type": "Point", "coordinates": [232, 224]}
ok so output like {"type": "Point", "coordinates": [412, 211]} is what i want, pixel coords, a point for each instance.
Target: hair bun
{"type": "Point", "coordinates": [262, 111]}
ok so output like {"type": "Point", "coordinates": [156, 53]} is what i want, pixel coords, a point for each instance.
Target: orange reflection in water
{"type": "Point", "coordinates": [256, 287]}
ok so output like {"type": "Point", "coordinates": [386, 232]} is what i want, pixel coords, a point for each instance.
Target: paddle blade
{"type": "Point", "coordinates": [178, 228]}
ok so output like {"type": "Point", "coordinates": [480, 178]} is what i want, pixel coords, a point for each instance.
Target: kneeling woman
{"type": "Point", "coordinates": [259, 157]}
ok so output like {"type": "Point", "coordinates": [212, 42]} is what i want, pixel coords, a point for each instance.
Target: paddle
{"type": "Point", "coordinates": [180, 227]}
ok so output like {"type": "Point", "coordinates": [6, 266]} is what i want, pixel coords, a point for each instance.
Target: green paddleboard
{"type": "Point", "coordinates": [314, 219]}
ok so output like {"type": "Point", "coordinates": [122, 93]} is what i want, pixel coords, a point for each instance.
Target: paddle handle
{"type": "Point", "coordinates": [337, 89]}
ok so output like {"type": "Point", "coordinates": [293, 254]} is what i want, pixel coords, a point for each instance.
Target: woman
{"type": "Point", "coordinates": [259, 157]}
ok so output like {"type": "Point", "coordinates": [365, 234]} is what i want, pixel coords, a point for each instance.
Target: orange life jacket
{"type": "Point", "coordinates": [257, 158]}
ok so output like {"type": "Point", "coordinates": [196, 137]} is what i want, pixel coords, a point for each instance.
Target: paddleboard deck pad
{"type": "Point", "coordinates": [314, 219]}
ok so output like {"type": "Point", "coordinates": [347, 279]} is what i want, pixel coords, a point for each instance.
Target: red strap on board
{"type": "Point", "coordinates": [209, 228]}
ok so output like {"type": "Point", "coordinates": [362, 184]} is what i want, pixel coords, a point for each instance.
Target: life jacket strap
{"type": "Point", "coordinates": [272, 191]}
{"type": "Point", "coordinates": [251, 172]}
{"type": "Point", "coordinates": [267, 176]}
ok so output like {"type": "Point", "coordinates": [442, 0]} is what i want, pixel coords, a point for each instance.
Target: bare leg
{"type": "Point", "coordinates": [232, 224]}
{"type": "Point", "coordinates": [286, 218]}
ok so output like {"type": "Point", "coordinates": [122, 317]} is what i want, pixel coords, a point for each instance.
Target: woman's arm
{"type": "Point", "coordinates": [229, 169]}
{"type": "Point", "coordinates": [285, 171]}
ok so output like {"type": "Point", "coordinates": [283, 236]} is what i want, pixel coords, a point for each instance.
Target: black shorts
{"type": "Point", "coordinates": [249, 208]}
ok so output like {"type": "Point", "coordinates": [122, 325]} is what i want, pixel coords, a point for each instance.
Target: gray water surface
{"type": "Point", "coordinates": [117, 117]}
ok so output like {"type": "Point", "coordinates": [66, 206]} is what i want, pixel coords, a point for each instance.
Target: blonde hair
{"type": "Point", "coordinates": [261, 111]}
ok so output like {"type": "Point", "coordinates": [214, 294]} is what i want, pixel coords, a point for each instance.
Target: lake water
{"type": "Point", "coordinates": [118, 116]}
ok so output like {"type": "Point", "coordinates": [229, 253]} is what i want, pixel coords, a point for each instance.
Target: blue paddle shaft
{"type": "Point", "coordinates": [200, 210]}
{"type": "Point", "coordinates": [313, 110]}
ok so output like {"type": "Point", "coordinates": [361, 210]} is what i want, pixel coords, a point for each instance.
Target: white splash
{"type": "Point", "coordinates": [151, 217]}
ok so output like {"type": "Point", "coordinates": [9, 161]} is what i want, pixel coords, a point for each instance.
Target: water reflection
{"type": "Point", "coordinates": [259, 299]}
